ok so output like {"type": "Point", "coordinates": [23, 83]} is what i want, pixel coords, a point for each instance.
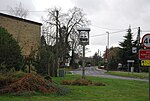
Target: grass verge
{"type": "Point", "coordinates": [115, 90]}
{"type": "Point", "coordinates": [129, 74]}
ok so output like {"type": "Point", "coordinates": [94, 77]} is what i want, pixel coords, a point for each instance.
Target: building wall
{"type": "Point", "coordinates": [25, 32]}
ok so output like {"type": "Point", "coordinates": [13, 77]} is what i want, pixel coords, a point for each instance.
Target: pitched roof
{"type": "Point", "coordinates": [21, 19]}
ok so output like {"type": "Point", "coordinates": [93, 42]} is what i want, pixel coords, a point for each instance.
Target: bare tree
{"type": "Point", "coordinates": [19, 11]}
{"type": "Point", "coordinates": [67, 23]}
{"type": "Point", "coordinates": [72, 20]}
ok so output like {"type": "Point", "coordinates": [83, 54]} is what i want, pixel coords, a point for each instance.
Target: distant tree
{"type": "Point", "coordinates": [126, 48]}
{"type": "Point", "coordinates": [96, 59]}
{"type": "Point", "coordinates": [10, 52]}
{"type": "Point", "coordinates": [113, 57]}
{"type": "Point", "coordinates": [18, 11]}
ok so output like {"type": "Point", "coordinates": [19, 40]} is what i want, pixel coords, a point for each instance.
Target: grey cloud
{"type": "Point", "coordinates": [91, 6]}
{"type": "Point", "coordinates": [131, 10]}
{"type": "Point", "coordinates": [119, 15]}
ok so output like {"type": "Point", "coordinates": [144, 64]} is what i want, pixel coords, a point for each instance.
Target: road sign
{"type": "Point", "coordinates": [134, 49]}
{"type": "Point", "coordinates": [146, 40]}
{"type": "Point", "coordinates": [130, 61]}
{"type": "Point", "coordinates": [144, 54]}
{"type": "Point", "coordinates": [145, 63]}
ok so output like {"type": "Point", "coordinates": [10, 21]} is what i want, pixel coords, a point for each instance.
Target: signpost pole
{"type": "Point", "coordinates": [83, 63]}
{"type": "Point", "coordinates": [145, 55]}
{"type": "Point", "coordinates": [149, 82]}
{"type": "Point", "coordinates": [128, 68]}
{"type": "Point", "coordinates": [84, 40]}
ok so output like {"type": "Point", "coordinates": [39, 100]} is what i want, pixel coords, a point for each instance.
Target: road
{"type": "Point", "coordinates": [93, 71]}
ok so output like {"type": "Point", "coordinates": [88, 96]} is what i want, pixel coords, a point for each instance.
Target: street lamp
{"type": "Point", "coordinates": [83, 40]}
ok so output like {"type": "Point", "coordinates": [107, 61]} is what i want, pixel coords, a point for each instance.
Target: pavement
{"type": "Point", "coordinates": [94, 71]}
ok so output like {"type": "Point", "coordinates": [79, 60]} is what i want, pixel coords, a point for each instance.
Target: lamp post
{"type": "Point", "coordinates": [84, 40]}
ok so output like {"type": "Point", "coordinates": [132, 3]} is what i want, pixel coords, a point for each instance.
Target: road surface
{"type": "Point", "coordinates": [93, 71]}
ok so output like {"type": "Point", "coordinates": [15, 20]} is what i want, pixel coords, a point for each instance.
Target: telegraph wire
{"type": "Point", "coordinates": [94, 26]}
{"type": "Point", "coordinates": [145, 30]}
{"type": "Point", "coordinates": [112, 32]}
{"type": "Point", "coordinates": [104, 27]}
{"type": "Point", "coordinates": [109, 33]}
{"type": "Point", "coordinates": [118, 31]}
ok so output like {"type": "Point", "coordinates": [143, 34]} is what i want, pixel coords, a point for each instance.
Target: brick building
{"type": "Point", "coordinates": [26, 32]}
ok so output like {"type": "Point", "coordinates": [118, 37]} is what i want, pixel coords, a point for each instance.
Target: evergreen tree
{"type": "Point", "coordinates": [96, 59]}
{"type": "Point", "coordinates": [10, 52]}
{"type": "Point", "coordinates": [46, 58]}
{"type": "Point", "coordinates": [126, 48]}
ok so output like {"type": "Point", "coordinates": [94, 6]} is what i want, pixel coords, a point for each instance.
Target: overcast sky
{"type": "Point", "coordinates": [105, 15]}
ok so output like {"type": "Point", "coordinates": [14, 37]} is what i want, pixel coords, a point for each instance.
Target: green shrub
{"type": "Point", "coordinates": [4, 81]}
{"type": "Point", "coordinates": [9, 77]}
{"type": "Point", "coordinates": [18, 74]}
{"type": "Point", "coordinates": [48, 78]}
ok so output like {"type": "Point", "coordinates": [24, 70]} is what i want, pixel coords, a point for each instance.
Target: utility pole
{"type": "Point", "coordinates": [98, 58]}
{"type": "Point", "coordinates": [107, 40]}
{"type": "Point", "coordinates": [56, 67]}
{"type": "Point", "coordinates": [138, 48]}
{"type": "Point", "coordinates": [107, 49]}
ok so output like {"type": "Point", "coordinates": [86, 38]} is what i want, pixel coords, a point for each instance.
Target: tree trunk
{"type": "Point", "coordinates": [72, 58]}
{"type": "Point", "coordinates": [48, 67]}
